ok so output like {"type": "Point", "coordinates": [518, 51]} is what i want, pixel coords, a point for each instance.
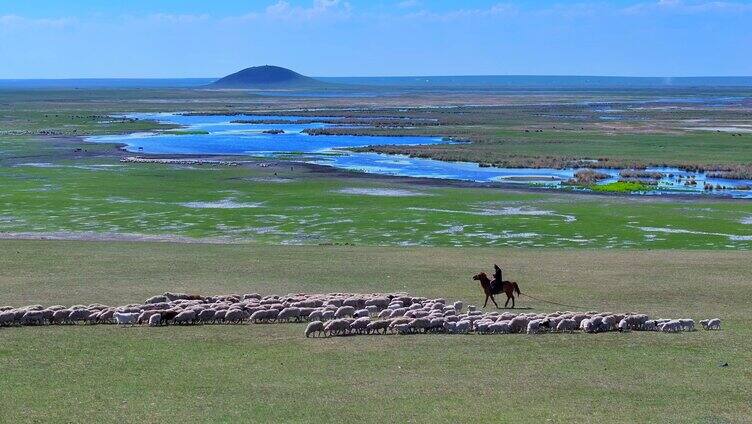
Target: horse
{"type": "Point", "coordinates": [490, 288]}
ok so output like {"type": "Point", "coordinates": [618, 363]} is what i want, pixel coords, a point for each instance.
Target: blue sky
{"type": "Point", "coordinates": [191, 38]}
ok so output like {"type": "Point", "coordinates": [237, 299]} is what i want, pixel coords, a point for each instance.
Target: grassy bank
{"type": "Point", "coordinates": [503, 147]}
{"type": "Point", "coordinates": [270, 373]}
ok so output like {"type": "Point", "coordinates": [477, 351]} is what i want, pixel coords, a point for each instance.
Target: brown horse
{"type": "Point", "coordinates": [490, 288]}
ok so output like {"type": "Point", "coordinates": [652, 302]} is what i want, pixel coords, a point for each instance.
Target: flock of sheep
{"type": "Point", "coordinates": [339, 314]}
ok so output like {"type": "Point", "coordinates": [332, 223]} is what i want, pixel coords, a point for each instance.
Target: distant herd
{"type": "Point", "coordinates": [340, 314]}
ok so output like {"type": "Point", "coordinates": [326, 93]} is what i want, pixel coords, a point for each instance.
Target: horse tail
{"type": "Point", "coordinates": [516, 287]}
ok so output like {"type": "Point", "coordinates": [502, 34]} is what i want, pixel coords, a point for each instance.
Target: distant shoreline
{"type": "Point", "coordinates": [489, 82]}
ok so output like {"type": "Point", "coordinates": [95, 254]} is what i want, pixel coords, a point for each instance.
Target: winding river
{"type": "Point", "coordinates": [283, 135]}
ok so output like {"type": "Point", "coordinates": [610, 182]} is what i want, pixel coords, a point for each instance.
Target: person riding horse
{"type": "Point", "coordinates": [497, 277]}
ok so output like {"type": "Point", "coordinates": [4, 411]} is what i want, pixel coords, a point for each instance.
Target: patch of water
{"type": "Point", "coordinates": [504, 211]}
{"type": "Point", "coordinates": [38, 165]}
{"type": "Point", "coordinates": [385, 192]}
{"type": "Point", "coordinates": [668, 230]}
{"type": "Point", "coordinates": [729, 129]}
{"type": "Point", "coordinates": [233, 138]}
{"type": "Point", "coordinates": [228, 203]}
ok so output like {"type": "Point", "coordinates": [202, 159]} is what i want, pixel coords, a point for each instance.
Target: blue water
{"type": "Point", "coordinates": [227, 138]}
{"type": "Point", "coordinates": [399, 165]}
{"type": "Point", "coordinates": [230, 138]}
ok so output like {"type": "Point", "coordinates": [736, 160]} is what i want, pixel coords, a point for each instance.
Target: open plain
{"type": "Point", "coordinates": [115, 231]}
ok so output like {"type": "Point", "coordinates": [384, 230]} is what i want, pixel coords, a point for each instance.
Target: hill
{"type": "Point", "coordinates": [266, 77]}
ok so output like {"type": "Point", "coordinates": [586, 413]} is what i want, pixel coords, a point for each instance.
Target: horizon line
{"type": "Point", "coordinates": [390, 76]}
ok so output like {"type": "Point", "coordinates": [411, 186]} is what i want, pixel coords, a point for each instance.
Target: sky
{"type": "Point", "coordinates": [191, 38]}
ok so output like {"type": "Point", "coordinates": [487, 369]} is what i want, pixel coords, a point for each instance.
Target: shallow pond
{"type": "Point", "coordinates": [252, 138]}
{"type": "Point", "coordinates": [231, 138]}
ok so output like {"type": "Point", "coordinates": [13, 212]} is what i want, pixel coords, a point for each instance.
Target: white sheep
{"type": "Point", "coordinates": [623, 325]}
{"type": "Point", "coordinates": [360, 313]}
{"type": "Point", "coordinates": [219, 315]}
{"type": "Point", "coordinates": [157, 299]}
{"type": "Point", "coordinates": [398, 312]}
{"type": "Point", "coordinates": [155, 320]}
{"type": "Point", "coordinates": [609, 323]}
{"type": "Point", "coordinates": [687, 324]}
{"type": "Point", "coordinates": [569, 325]}
{"type": "Point", "coordinates": [272, 314]}
{"type": "Point", "coordinates": [672, 326]}
{"type": "Point", "coordinates": [419, 324]}
{"type": "Point", "coordinates": [126, 318]}
{"type": "Point", "coordinates": [344, 311]}
{"type": "Point", "coordinates": [459, 327]}
{"type": "Point", "coordinates": [144, 316]}
{"type": "Point", "coordinates": [589, 325]}
{"type": "Point", "coordinates": [649, 325]}
{"type": "Point", "coordinates": [533, 327]}
{"type": "Point", "coordinates": [234, 316]}
{"type": "Point", "coordinates": [185, 317]}
{"type": "Point", "coordinates": [711, 324]}
{"type": "Point", "coordinates": [315, 315]}
{"type": "Point", "coordinates": [78, 315]}
{"type": "Point", "coordinates": [337, 327]}
{"type": "Point", "coordinates": [33, 318]}
{"type": "Point", "coordinates": [437, 324]}
{"type": "Point", "coordinates": [384, 314]}
{"type": "Point", "coordinates": [500, 327]}
{"type": "Point", "coordinates": [596, 324]}
{"type": "Point", "coordinates": [314, 327]}
{"type": "Point", "coordinates": [59, 317]}
{"type": "Point", "coordinates": [289, 313]}
{"type": "Point", "coordinates": [205, 316]}
{"type": "Point", "coordinates": [714, 324]}
{"type": "Point", "coordinates": [519, 324]}
{"type": "Point", "coordinates": [378, 302]}
{"type": "Point", "coordinates": [360, 325]}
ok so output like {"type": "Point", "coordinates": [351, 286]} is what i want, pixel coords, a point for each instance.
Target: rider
{"type": "Point", "coordinates": [497, 273]}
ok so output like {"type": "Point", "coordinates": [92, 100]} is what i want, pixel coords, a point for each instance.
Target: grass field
{"type": "Point", "coordinates": [504, 147]}
{"type": "Point", "coordinates": [284, 227]}
{"type": "Point", "coordinates": [74, 197]}
{"type": "Point", "coordinates": [271, 373]}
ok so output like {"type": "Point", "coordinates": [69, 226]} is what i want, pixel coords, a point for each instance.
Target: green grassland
{"type": "Point", "coordinates": [669, 257]}
{"type": "Point", "coordinates": [621, 187]}
{"type": "Point", "coordinates": [81, 197]}
{"type": "Point", "coordinates": [271, 373]}
{"type": "Point", "coordinates": [507, 147]}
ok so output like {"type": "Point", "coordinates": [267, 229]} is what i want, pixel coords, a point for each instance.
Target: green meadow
{"type": "Point", "coordinates": [271, 373]}
{"type": "Point", "coordinates": [79, 198]}
{"type": "Point", "coordinates": [77, 225]}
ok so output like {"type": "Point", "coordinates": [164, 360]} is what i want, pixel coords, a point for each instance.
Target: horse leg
{"type": "Point", "coordinates": [507, 302]}
{"type": "Point", "coordinates": [512, 301]}
{"type": "Point", "coordinates": [494, 301]}
{"type": "Point", "coordinates": [486, 302]}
